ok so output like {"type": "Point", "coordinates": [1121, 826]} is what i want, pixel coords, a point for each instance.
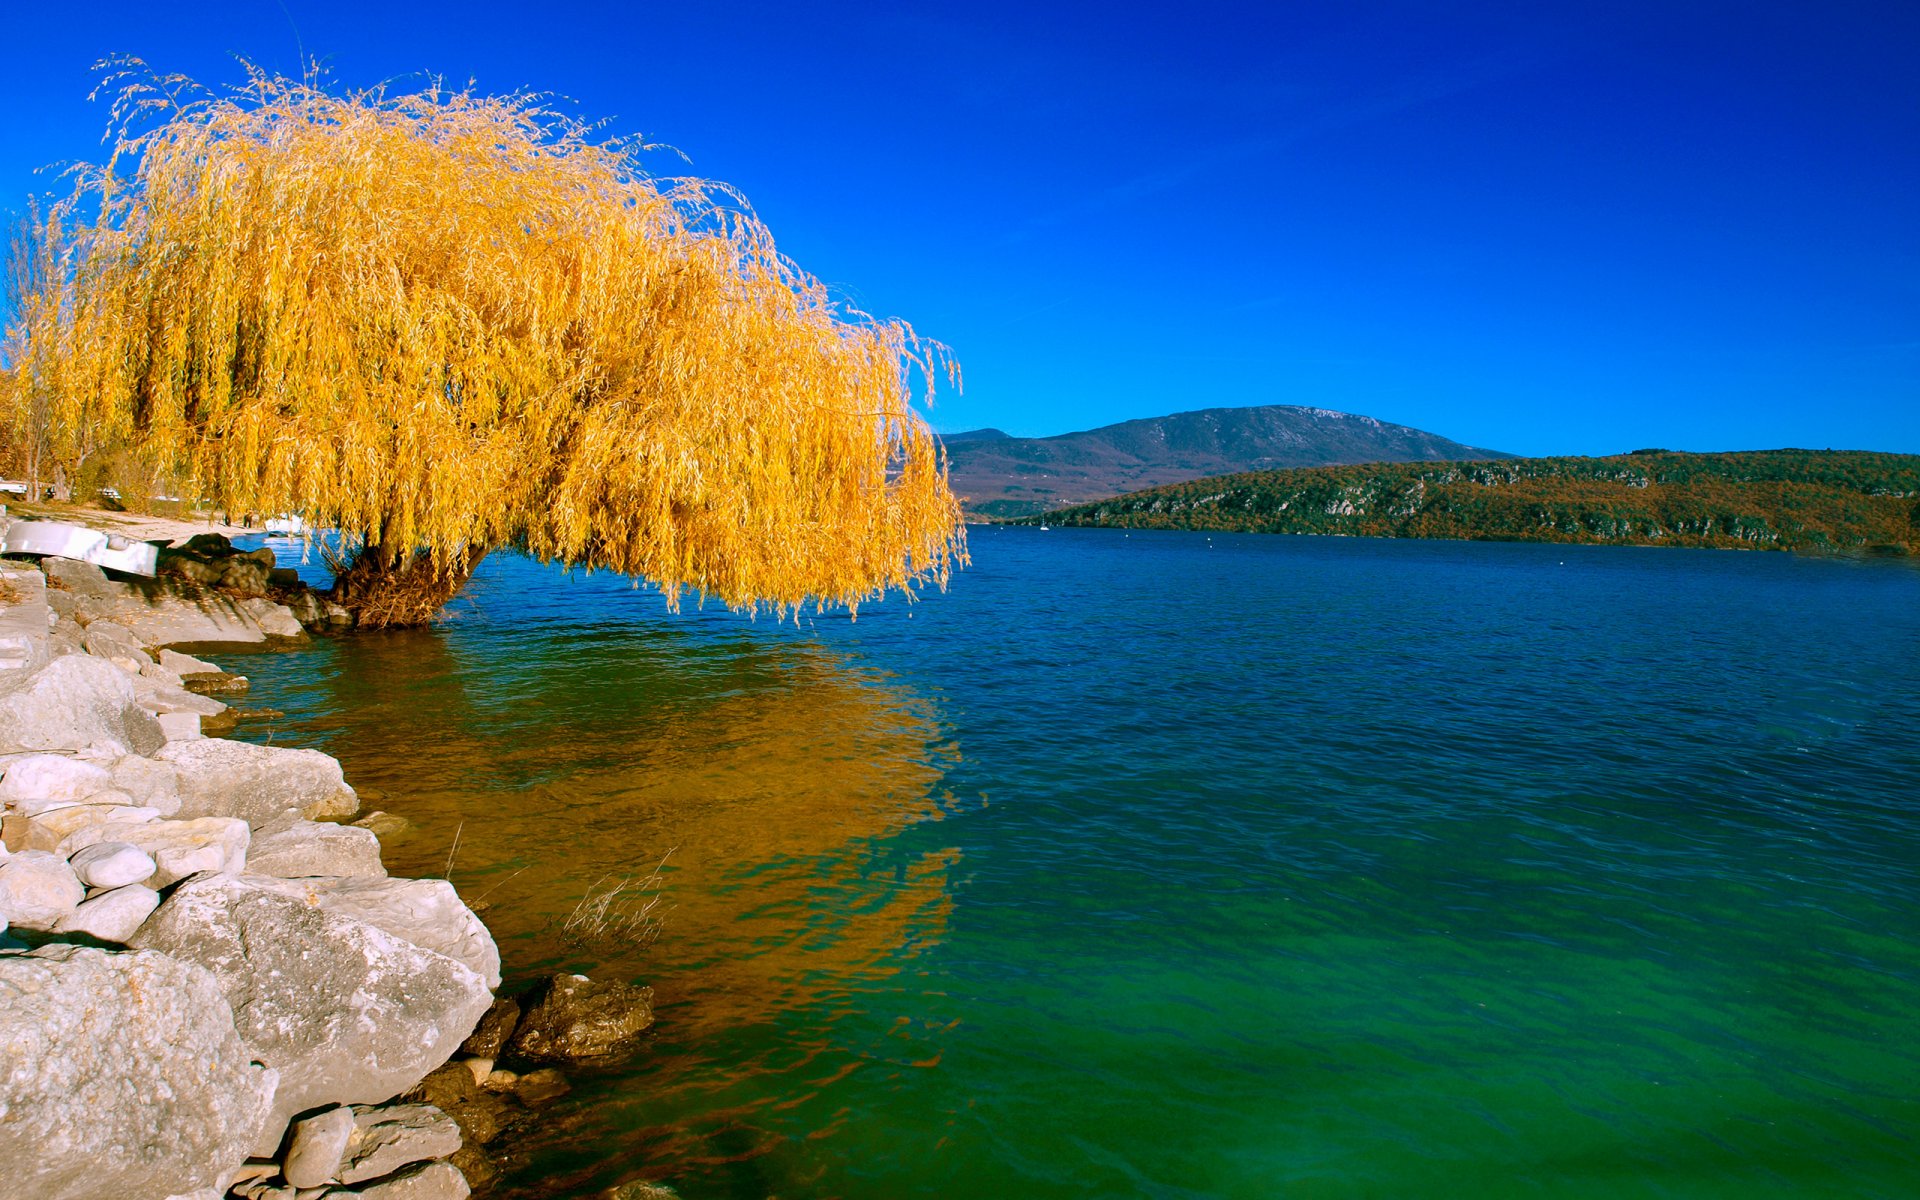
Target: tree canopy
{"type": "Point", "coordinates": [442, 322]}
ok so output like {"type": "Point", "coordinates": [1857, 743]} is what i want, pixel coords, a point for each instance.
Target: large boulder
{"type": "Point", "coordinates": [74, 702]}
{"type": "Point", "coordinates": [571, 1018]}
{"type": "Point", "coordinates": [259, 784]}
{"type": "Point", "coordinates": [345, 1011]}
{"type": "Point", "coordinates": [123, 1076]}
{"type": "Point", "coordinates": [426, 912]}
{"type": "Point", "coordinates": [308, 848]}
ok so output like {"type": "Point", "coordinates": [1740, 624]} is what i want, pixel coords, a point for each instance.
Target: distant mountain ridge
{"type": "Point", "coordinates": [1000, 476]}
{"type": "Point", "coordinates": [1753, 499]}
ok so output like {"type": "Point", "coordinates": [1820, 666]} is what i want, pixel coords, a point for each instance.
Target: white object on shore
{"type": "Point", "coordinates": [60, 539]}
{"type": "Point", "coordinates": [112, 865]}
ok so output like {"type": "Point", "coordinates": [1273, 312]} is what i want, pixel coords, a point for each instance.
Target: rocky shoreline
{"type": "Point", "coordinates": [209, 985]}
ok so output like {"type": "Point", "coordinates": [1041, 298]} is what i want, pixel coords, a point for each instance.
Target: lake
{"type": "Point", "coordinates": [1160, 865]}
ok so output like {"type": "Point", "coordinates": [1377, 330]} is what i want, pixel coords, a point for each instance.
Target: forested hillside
{"type": "Point", "coordinates": [1766, 499]}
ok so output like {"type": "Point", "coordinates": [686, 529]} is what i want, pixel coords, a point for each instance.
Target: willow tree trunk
{"type": "Point", "coordinates": [387, 587]}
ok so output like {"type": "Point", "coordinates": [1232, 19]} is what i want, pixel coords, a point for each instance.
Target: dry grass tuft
{"type": "Point", "coordinates": [447, 322]}
{"type": "Point", "coordinates": [625, 911]}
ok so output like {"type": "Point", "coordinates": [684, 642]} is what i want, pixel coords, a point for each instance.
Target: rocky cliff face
{"type": "Point", "coordinates": [1002, 476]}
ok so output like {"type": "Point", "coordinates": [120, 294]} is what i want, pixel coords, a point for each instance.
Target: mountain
{"type": "Point", "coordinates": [1757, 499]}
{"type": "Point", "coordinates": [1000, 476]}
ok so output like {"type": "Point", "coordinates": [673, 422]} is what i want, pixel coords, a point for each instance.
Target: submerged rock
{"type": "Point", "coordinates": [490, 1036]}
{"type": "Point", "coordinates": [123, 1077]}
{"type": "Point", "coordinates": [571, 1018]}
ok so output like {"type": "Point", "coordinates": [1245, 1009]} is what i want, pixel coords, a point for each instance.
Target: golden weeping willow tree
{"type": "Point", "coordinates": [441, 322]}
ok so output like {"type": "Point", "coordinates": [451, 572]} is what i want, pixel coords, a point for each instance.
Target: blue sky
{"type": "Point", "coordinates": [1577, 229]}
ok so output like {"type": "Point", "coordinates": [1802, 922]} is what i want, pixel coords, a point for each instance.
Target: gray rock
{"type": "Point", "coordinates": [275, 620]}
{"type": "Point", "coordinates": [317, 1145]}
{"type": "Point", "coordinates": [112, 864]}
{"type": "Point", "coordinates": [38, 888]}
{"type": "Point", "coordinates": [76, 577]}
{"type": "Point", "coordinates": [150, 783]}
{"type": "Point", "coordinates": [161, 700]}
{"type": "Point", "coordinates": [259, 784]}
{"type": "Point", "coordinates": [71, 703]}
{"type": "Point", "coordinates": [111, 916]}
{"type": "Point", "coordinates": [428, 1181]}
{"type": "Point", "coordinates": [180, 727]}
{"type": "Point", "coordinates": [52, 779]}
{"type": "Point", "coordinates": [184, 664]}
{"type": "Point", "coordinates": [159, 675]}
{"type": "Point", "coordinates": [115, 642]}
{"type": "Point", "coordinates": [305, 848]}
{"type": "Point", "coordinates": [347, 1012]}
{"type": "Point", "coordinates": [169, 613]}
{"type": "Point", "coordinates": [26, 619]}
{"type": "Point", "coordinates": [426, 912]}
{"type": "Point", "coordinates": [179, 848]}
{"type": "Point", "coordinates": [124, 1077]}
{"type": "Point", "coordinates": [571, 1018]}
{"type": "Point", "coordinates": [394, 1136]}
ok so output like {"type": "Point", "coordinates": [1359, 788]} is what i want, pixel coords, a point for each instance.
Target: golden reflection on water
{"type": "Point", "coordinates": [767, 768]}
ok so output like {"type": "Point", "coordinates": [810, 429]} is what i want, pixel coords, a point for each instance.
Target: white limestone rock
{"type": "Point", "coordinates": [259, 784]}
{"type": "Point", "coordinates": [74, 702]}
{"type": "Point", "coordinates": [111, 916]}
{"type": "Point", "coordinates": [308, 848]}
{"type": "Point", "coordinates": [426, 912]}
{"type": "Point", "coordinates": [37, 889]}
{"type": "Point", "coordinates": [428, 1181]}
{"type": "Point", "coordinates": [151, 784]}
{"type": "Point", "coordinates": [123, 1075]}
{"type": "Point", "coordinates": [180, 726]}
{"type": "Point", "coordinates": [50, 780]}
{"type": "Point", "coordinates": [112, 864]}
{"type": "Point", "coordinates": [184, 664]}
{"type": "Point", "coordinates": [388, 1138]}
{"type": "Point", "coordinates": [345, 1011]}
{"type": "Point", "coordinates": [316, 1146]}
{"type": "Point", "coordinates": [179, 848]}
{"type": "Point", "coordinates": [50, 830]}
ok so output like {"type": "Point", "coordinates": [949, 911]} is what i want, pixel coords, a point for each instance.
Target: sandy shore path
{"type": "Point", "coordinates": [142, 526]}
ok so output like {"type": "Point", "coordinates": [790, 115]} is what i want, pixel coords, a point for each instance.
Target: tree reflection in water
{"type": "Point", "coordinates": [563, 758]}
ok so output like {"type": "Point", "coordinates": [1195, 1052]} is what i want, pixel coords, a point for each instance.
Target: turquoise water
{"type": "Point", "coordinates": [1156, 865]}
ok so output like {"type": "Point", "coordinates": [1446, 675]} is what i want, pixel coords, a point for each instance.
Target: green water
{"type": "Point", "coordinates": [1161, 866]}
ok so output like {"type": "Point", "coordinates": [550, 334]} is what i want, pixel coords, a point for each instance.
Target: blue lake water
{"type": "Point", "coordinates": [1160, 865]}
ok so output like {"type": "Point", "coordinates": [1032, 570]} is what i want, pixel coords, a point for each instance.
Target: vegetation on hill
{"type": "Point", "coordinates": [1766, 499]}
{"type": "Point", "coordinates": [441, 322]}
{"type": "Point", "coordinates": [1001, 476]}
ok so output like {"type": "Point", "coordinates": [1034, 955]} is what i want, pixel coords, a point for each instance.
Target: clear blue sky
{"type": "Point", "coordinates": [1577, 229]}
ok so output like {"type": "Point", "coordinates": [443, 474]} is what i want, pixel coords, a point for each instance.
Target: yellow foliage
{"type": "Point", "coordinates": [451, 321]}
